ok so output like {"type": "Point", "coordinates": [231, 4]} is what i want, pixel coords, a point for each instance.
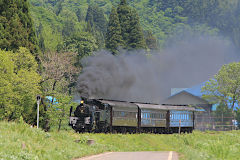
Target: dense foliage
{"type": "Point", "coordinates": [164, 19]}
{"type": "Point", "coordinates": [114, 38]}
{"type": "Point", "coordinates": [224, 88]}
{"type": "Point", "coordinates": [124, 29]}
{"type": "Point", "coordinates": [16, 26]}
{"type": "Point", "coordinates": [19, 85]}
{"type": "Point", "coordinates": [68, 30]}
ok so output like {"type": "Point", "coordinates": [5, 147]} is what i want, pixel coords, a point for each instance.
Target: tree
{"type": "Point", "coordinates": [59, 111]}
{"type": "Point", "coordinates": [238, 117]}
{"type": "Point", "coordinates": [136, 38]}
{"type": "Point", "coordinates": [96, 24]}
{"type": "Point", "coordinates": [96, 18]}
{"type": "Point", "coordinates": [59, 70]}
{"type": "Point", "coordinates": [151, 41]}
{"type": "Point", "coordinates": [40, 37]}
{"type": "Point", "coordinates": [59, 75]}
{"type": "Point", "coordinates": [19, 85]}
{"type": "Point", "coordinates": [224, 88]}
{"type": "Point", "coordinates": [124, 15]}
{"type": "Point", "coordinates": [223, 111]}
{"type": "Point", "coordinates": [113, 36]}
{"type": "Point", "coordinates": [17, 25]}
{"type": "Point", "coordinates": [131, 30]}
{"type": "Point", "coordinates": [123, 2]}
{"type": "Point", "coordinates": [83, 44]}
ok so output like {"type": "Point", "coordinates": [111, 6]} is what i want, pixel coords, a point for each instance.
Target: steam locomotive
{"type": "Point", "coordinates": [99, 115]}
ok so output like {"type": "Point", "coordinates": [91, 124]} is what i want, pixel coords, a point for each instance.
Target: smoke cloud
{"type": "Point", "coordinates": [140, 77]}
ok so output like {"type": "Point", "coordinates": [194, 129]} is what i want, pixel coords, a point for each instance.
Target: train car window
{"type": "Point", "coordinates": [143, 115]}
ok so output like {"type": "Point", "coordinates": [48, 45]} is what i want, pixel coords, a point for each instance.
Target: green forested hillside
{"type": "Point", "coordinates": [55, 20]}
{"type": "Point", "coordinates": [67, 30]}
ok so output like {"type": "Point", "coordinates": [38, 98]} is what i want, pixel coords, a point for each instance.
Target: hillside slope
{"type": "Point", "coordinates": [165, 18]}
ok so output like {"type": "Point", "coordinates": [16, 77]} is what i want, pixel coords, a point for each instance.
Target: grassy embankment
{"type": "Point", "coordinates": [19, 141]}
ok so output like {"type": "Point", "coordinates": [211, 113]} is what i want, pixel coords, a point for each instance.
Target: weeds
{"type": "Point", "coordinates": [20, 141]}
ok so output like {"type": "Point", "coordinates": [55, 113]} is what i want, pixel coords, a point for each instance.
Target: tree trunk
{"type": "Point", "coordinates": [46, 126]}
{"type": "Point", "coordinates": [59, 125]}
{"type": "Point", "coordinates": [54, 85]}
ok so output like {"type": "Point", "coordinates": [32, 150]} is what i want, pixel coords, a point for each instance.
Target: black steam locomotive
{"type": "Point", "coordinates": [99, 115]}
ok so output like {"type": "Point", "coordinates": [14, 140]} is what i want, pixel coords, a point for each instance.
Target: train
{"type": "Point", "coordinates": [112, 116]}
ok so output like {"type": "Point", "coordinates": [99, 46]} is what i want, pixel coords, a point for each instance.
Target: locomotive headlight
{"type": "Point", "coordinates": [82, 102]}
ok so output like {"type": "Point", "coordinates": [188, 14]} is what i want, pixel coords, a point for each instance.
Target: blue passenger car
{"type": "Point", "coordinates": [185, 118]}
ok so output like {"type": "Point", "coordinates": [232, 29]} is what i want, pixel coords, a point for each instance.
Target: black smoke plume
{"type": "Point", "coordinates": [148, 77]}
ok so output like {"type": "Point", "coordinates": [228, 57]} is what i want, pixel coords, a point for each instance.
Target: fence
{"type": "Point", "coordinates": [210, 121]}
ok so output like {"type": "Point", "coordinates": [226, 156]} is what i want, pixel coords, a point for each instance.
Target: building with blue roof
{"type": "Point", "coordinates": [191, 96]}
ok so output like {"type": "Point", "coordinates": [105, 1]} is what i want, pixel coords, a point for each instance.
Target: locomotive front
{"type": "Point", "coordinates": [83, 119]}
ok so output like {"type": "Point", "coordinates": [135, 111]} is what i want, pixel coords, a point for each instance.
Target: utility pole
{"type": "Point", "coordinates": [179, 129]}
{"type": "Point", "coordinates": [38, 103]}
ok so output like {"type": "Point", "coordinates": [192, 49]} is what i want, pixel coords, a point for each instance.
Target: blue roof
{"type": "Point", "coordinates": [196, 90]}
{"type": "Point", "coordinates": [51, 99]}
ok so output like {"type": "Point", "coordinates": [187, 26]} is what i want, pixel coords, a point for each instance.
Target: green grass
{"type": "Point", "coordinates": [20, 141]}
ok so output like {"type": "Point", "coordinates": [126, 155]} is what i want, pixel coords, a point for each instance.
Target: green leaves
{"type": "Point", "coordinates": [17, 26]}
{"type": "Point", "coordinates": [59, 112]}
{"type": "Point", "coordinates": [225, 87]}
{"type": "Point", "coordinates": [19, 84]}
{"type": "Point", "coordinates": [114, 34]}
{"type": "Point", "coordinates": [131, 29]}
{"type": "Point", "coordinates": [83, 43]}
